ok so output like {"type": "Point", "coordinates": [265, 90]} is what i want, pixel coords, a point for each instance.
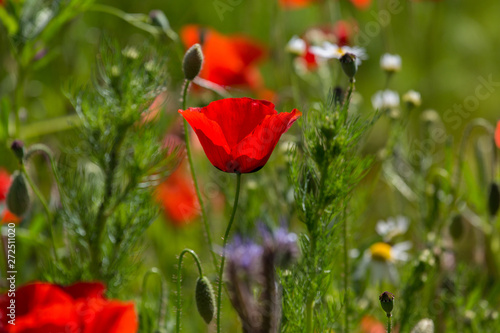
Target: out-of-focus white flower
{"type": "Point", "coordinates": [390, 62]}
{"type": "Point", "coordinates": [385, 99]}
{"type": "Point", "coordinates": [297, 46]}
{"type": "Point", "coordinates": [424, 326]}
{"type": "Point", "coordinates": [330, 51]}
{"type": "Point", "coordinates": [392, 227]}
{"type": "Point", "coordinates": [412, 98]}
{"type": "Point", "coordinates": [379, 260]}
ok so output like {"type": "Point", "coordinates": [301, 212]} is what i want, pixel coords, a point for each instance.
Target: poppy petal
{"type": "Point", "coordinates": [114, 317]}
{"type": "Point", "coordinates": [240, 116]}
{"type": "Point", "coordinates": [85, 290]}
{"type": "Point", "coordinates": [254, 151]}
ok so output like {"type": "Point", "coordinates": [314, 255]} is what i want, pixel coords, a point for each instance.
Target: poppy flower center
{"type": "Point", "coordinates": [381, 252]}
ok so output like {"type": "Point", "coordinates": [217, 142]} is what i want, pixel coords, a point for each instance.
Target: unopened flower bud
{"type": "Point", "coordinates": [193, 60]}
{"type": "Point", "coordinates": [493, 199]}
{"type": "Point", "coordinates": [18, 149]}
{"type": "Point", "coordinates": [387, 302]}
{"type": "Point", "coordinates": [349, 65]}
{"type": "Point", "coordinates": [205, 299]}
{"type": "Point", "coordinates": [456, 227]}
{"type": "Point", "coordinates": [18, 197]}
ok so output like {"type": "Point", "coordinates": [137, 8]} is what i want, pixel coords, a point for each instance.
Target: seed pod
{"type": "Point", "coordinates": [349, 66]}
{"type": "Point", "coordinates": [493, 199]}
{"type": "Point", "coordinates": [205, 299]}
{"type": "Point", "coordinates": [387, 302]}
{"type": "Point", "coordinates": [192, 62]}
{"type": "Point", "coordinates": [18, 198]}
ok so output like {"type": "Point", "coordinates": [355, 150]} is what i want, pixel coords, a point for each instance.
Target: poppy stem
{"type": "Point", "coordinates": [389, 324]}
{"type": "Point", "coordinates": [193, 175]}
{"type": "Point", "coordinates": [45, 207]}
{"type": "Point", "coordinates": [179, 280]}
{"type": "Point", "coordinates": [153, 271]}
{"type": "Point", "coordinates": [226, 236]}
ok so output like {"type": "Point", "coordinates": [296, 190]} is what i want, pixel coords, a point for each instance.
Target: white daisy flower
{"type": "Point", "coordinates": [390, 62]}
{"type": "Point", "coordinates": [330, 51]}
{"type": "Point", "coordinates": [379, 262]}
{"type": "Point", "coordinates": [385, 99]}
{"type": "Point", "coordinates": [392, 227]}
{"type": "Point", "coordinates": [297, 46]}
{"type": "Point", "coordinates": [412, 98]}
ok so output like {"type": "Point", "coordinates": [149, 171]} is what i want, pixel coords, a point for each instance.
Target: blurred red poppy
{"type": "Point", "coordinates": [44, 307]}
{"type": "Point", "coordinates": [4, 184]}
{"type": "Point", "coordinates": [228, 60]}
{"type": "Point", "coordinates": [178, 197]}
{"type": "Point", "coordinates": [497, 134]}
{"type": "Point", "coordinates": [238, 135]}
{"type": "Point", "coordinates": [362, 4]}
{"type": "Point", "coordinates": [296, 3]}
{"type": "Point", "coordinates": [5, 215]}
{"type": "Point", "coordinates": [370, 324]}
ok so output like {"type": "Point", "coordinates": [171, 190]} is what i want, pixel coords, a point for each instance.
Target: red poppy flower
{"type": "Point", "coordinates": [296, 3]}
{"type": "Point", "coordinates": [4, 184]}
{"type": "Point", "coordinates": [228, 60]}
{"type": "Point", "coordinates": [362, 4]}
{"type": "Point", "coordinates": [497, 134]}
{"type": "Point", "coordinates": [239, 134]}
{"type": "Point", "coordinates": [178, 197]}
{"type": "Point", "coordinates": [370, 324]}
{"type": "Point", "coordinates": [43, 307]}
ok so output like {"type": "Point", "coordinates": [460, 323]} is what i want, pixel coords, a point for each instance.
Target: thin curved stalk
{"type": "Point", "coordinates": [226, 236]}
{"type": "Point", "coordinates": [193, 175]}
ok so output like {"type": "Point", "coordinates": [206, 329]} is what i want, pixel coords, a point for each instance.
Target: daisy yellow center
{"type": "Point", "coordinates": [381, 251]}
{"type": "Point", "coordinates": [340, 51]}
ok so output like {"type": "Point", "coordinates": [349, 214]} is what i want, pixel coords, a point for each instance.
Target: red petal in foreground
{"type": "Point", "coordinates": [43, 307]}
{"type": "Point", "coordinates": [239, 134]}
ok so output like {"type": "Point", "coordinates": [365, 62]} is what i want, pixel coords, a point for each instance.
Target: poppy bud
{"type": "Point", "coordinates": [456, 227]}
{"type": "Point", "coordinates": [18, 198]}
{"type": "Point", "coordinates": [493, 199]}
{"type": "Point", "coordinates": [205, 299]}
{"type": "Point", "coordinates": [387, 302]}
{"type": "Point", "coordinates": [349, 66]}
{"type": "Point", "coordinates": [18, 149]}
{"type": "Point", "coordinates": [192, 62]}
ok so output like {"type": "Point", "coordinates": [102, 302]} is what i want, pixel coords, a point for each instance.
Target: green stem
{"type": "Point", "coordinates": [100, 222]}
{"type": "Point", "coordinates": [49, 126]}
{"type": "Point", "coordinates": [179, 280]}
{"type": "Point", "coordinates": [193, 175]}
{"type": "Point", "coordinates": [346, 272]}
{"type": "Point", "coordinates": [153, 271]}
{"type": "Point", "coordinates": [389, 324]}
{"type": "Point", "coordinates": [45, 207]}
{"type": "Point", "coordinates": [223, 259]}
{"type": "Point", "coordinates": [309, 315]}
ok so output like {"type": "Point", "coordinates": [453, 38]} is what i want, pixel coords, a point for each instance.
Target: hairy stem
{"type": "Point", "coordinates": [179, 280]}
{"type": "Point", "coordinates": [45, 207]}
{"type": "Point", "coordinates": [193, 175]}
{"type": "Point", "coordinates": [226, 236]}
